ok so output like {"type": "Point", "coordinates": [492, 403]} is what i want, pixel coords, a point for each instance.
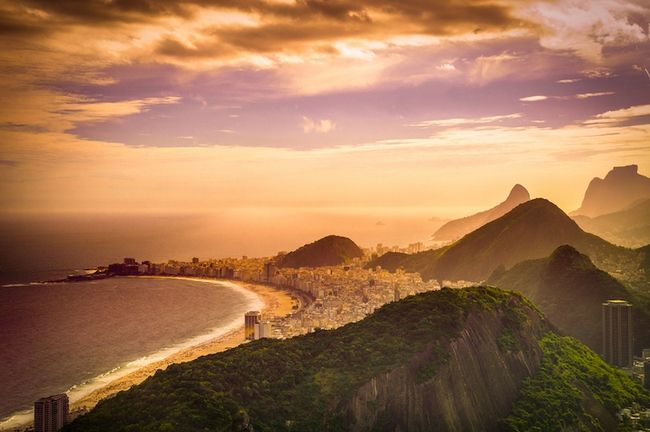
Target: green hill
{"type": "Point", "coordinates": [443, 360]}
{"type": "Point", "coordinates": [532, 230]}
{"type": "Point", "coordinates": [570, 290]}
{"type": "Point", "coordinates": [328, 251]}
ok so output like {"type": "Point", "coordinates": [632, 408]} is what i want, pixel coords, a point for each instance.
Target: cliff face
{"type": "Point", "coordinates": [475, 387]}
{"type": "Point", "coordinates": [622, 187]}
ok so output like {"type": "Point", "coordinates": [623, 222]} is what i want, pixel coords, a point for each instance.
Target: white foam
{"type": "Point", "coordinates": [79, 391]}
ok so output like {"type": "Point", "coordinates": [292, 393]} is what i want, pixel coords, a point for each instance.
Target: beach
{"type": "Point", "coordinates": [276, 303]}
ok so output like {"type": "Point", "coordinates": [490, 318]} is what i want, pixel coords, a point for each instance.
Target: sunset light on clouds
{"type": "Point", "coordinates": [202, 104]}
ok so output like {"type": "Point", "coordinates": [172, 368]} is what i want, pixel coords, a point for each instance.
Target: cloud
{"type": "Point", "coordinates": [93, 111]}
{"type": "Point", "coordinates": [586, 27]}
{"type": "Point", "coordinates": [317, 126]}
{"type": "Point", "coordinates": [568, 81]}
{"type": "Point", "coordinates": [453, 122]}
{"type": "Point", "coordinates": [590, 95]}
{"type": "Point", "coordinates": [533, 98]}
{"type": "Point", "coordinates": [446, 67]}
{"type": "Point", "coordinates": [617, 117]}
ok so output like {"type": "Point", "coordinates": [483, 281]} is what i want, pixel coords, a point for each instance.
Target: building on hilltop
{"type": "Point", "coordinates": [617, 333]}
{"type": "Point", "coordinates": [250, 320]}
{"type": "Point", "coordinates": [51, 413]}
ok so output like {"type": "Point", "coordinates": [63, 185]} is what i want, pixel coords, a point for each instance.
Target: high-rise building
{"type": "Point", "coordinates": [250, 319]}
{"type": "Point", "coordinates": [50, 413]}
{"type": "Point", "coordinates": [646, 374]}
{"type": "Point", "coordinates": [617, 333]}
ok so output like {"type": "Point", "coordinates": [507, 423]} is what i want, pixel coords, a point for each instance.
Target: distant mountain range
{"type": "Point", "coordinates": [328, 251]}
{"type": "Point", "coordinates": [621, 187]}
{"type": "Point", "coordinates": [569, 289]}
{"type": "Point", "coordinates": [475, 359]}
{"type": "Point", "coordinates": [455, 229]}
{"type": "Point", "coordinates": [629, 227]}
{"type": "Point", "coordinates": [532, 230]}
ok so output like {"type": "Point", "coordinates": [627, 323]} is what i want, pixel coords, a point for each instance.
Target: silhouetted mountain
{"type": "Point", "coordinates": [621, 187]}
{"type": "Point", "coordinates": [328, 251]}
{"type": "Point", "coordinates": [629, 227]}
{"type": "Point", "coordinates": [455, 229]}
{"type": "Point", "coordinates": [476, 359]}
{"type": "Point", "coordinates": [532, 230]}
{"type": "Point", "coordinates": [569, 289]}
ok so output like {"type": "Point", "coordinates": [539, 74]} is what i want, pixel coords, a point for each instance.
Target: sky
{"type": "Point", "coordinates": [438, 107]}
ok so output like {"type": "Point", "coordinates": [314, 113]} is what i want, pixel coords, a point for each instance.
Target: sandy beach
{"type": "Point", "coordinates": [277, 303]}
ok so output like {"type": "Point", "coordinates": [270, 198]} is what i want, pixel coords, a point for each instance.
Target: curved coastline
{"type": "Point", "coordinates": [271, 301]}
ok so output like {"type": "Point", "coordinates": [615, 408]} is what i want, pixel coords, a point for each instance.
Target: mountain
{"type": "Point", "coordinates": [532, 230]}
{"type": "Point", "coordinates": [621, 187]}
{"type": "Point", "coordinates": [328, 251]}
{"type": "Point", "coordinates": [455, 229]}
{"type": "Point", "coordinates": [569, 289]}
{"type": "Point", "coordinates": [442, 360]}
{"type": "Point", "coordinates": [629, 227]}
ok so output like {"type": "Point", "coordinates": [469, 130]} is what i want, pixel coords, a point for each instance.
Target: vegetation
{"type": "Point", "coordinates": [532, 230]}
{"type": "Point", "coordinates": [561, 395]}
{"type": "Point", "coordinates": [569, 289]}
{"type": "Point", "coordinates": [305, 383]}
{"type": "Point", "coordinates": [328, 251]}
{"type": "Point", "coordinates": [299, 383]}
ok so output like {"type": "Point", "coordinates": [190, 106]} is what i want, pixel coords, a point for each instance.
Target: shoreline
{"type": "Point", "coordinates": [273, 302]}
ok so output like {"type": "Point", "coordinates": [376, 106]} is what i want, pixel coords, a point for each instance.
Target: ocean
{"type": "Point", "coordinates": [75, 337]}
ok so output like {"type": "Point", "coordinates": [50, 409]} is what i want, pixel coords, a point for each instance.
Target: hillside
{"type": "Point", "coordinates": [629, 227]}
{"type": "Point", "coordinates": [569, 289]}
{"type": "Point", "coordinates": [532, 230]}
{"type": "Point", "coordinates": [620, 188]}
{"type": "Point", "coordinates": [456, 229]}
{"type": "Point", "coordinates": [444, 360]}
{"type": "Point", "coordinates": [328, 251]}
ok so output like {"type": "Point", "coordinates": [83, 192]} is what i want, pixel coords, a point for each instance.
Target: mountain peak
{"type": "Point", "coordinates": [567, 256]}
{"type": "Point", "coordinates": [328, 251]}
{"type": "Point", "coordinates": [518, 193]}
{"type": "Point", "coordinates": [455, 229]}
{"type": "Point", "coordinates": [623, 171]}
{"type": "Point", "coordinates": [622, 186]}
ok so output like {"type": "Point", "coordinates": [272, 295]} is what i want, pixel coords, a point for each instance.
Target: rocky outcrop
{"type": "Point", "coordinates": [456, 229]}
{"type": "Point", "coordinates": [623, 186]}
{"type": "Point", "coordinates": [471, 391]}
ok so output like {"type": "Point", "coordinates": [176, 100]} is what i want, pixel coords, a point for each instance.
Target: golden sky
{"type": "Point", "coordinates": [142, 105]}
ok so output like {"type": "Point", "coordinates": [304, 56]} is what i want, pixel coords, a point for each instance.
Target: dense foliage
{"type": "Point", "coordinates": [569, 289]}
{"type": "Point", "coordinates": [561, 396]}
{"type": "Point", "coordinates": [532, 230]}
{"type": "Point", "coordinates": [294, 384]}
{"type": "Point", "coordinates": [328, 251]}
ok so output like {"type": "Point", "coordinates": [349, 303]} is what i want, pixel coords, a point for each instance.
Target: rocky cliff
{"type": "Point", "coordinates": [622, 187]}
{"type": "Point", "coordinates": [457, 360]}
{"type": "Point", "coordinates": [472, 390]}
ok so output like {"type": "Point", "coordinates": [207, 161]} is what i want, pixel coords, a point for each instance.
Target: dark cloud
{"type": "Point", "coordinates": [439, 17]}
